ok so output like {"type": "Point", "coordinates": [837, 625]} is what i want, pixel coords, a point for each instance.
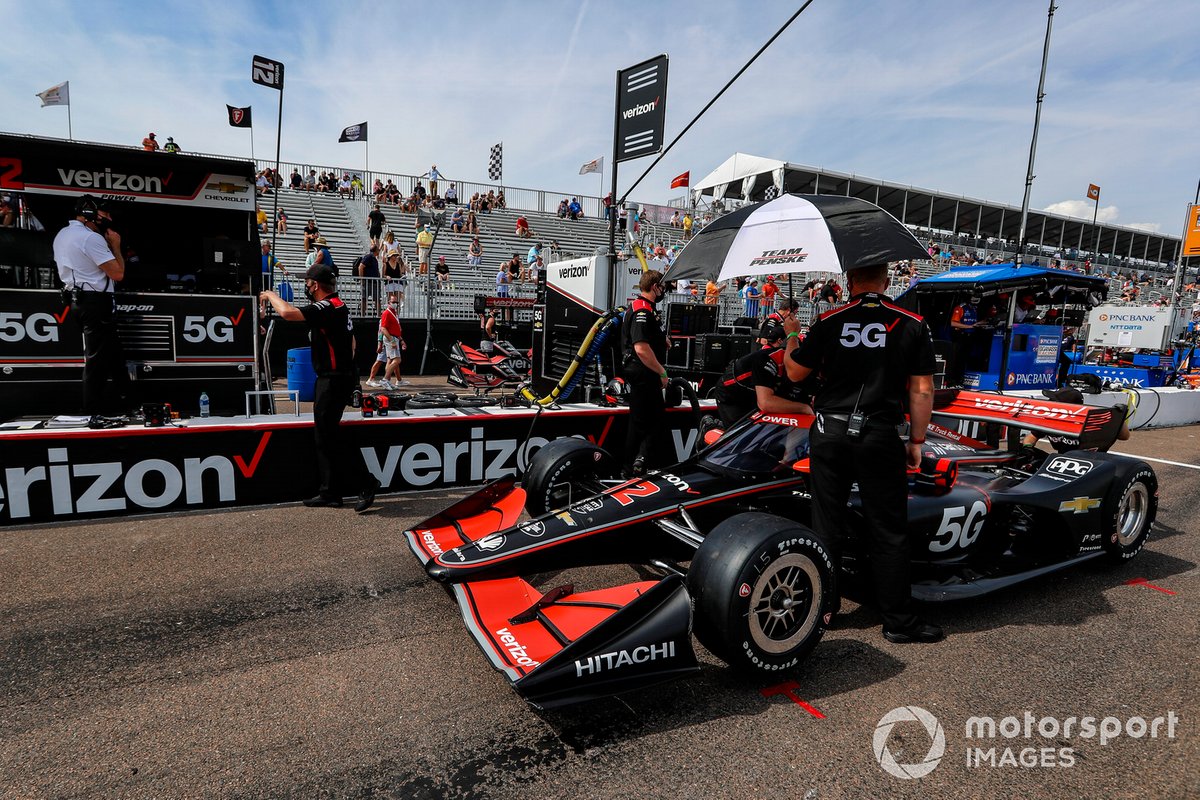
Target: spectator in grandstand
{"type": "Point", "coordinates": [533, 253]}
{"type": "Point", "coordinates": [424, 243]}
{"type": "Point", "coordinates": [503, 279]}
{"type": "Point", "coordinates": [514, 268]}
{"type": "Point", "coordinates": [500, 201]}
{"type": "Point", "coordinates": [419, 190]}
{"type": "Point", "coordinates": [262, 184]}
{"type": "Point", "coordinates": [367, 270]}
{"type": "Point", "coordinates": [260, 216]}
{"type": "Point", "coordinates": [522, 227]}
{"type": "Point", "coordinates": [443, 271]}
{"type": "Point", "coordinates": [434, 176]}
{"type": "Point", "coordinates": [490, 205]}
{"type": "Point", "coordinates": [344, 187]}
{"type": "Point", "coordinates": [536, 268]}
{"type": "Point", "coordinates": [321, 255]}
{"type": "Point", "coordinates": [472, 223]}
{"type": "Point", "coordinates": [574, 210]}
{"type": "Point", "coordinates": [310, 181]}
{"type": "Point", "coordinates": [687, 225]}
{"type": "Point", "coordinates": [562, 208]}
{"type": "Point", "coordinates": [608, 206]}
{"type": "Point", "coordinates": [410, 205]}
{"type": "Point", "coordinates": [675, 221]}
{"type": "Point", "coordinates": [395, 274]}
{"type": "Point", "coordinates": [438, 202]}
{"type": "Point", "coordinates": [712, 293]}
{"type": "Point", "coordinates": [769, 290]}
{"type": "Point", "coordinates": [356, 186]}
{"type": "Point", "coordinates": [389, 245]}
{"type": "Point", "coordinates": [375, 222]}
{"type": "Point", "coordinates": [281, 222]}
{"type": "Point", "coordinates": [268, 264]}
{"type": "Point", "coordinates": [377, 190]}
{"type": "Point", "coordinates": [452, 194]}
{"type": "Point", "coordinates": [296, 181]}
{"type": "Point", "coordinates": [392, 193]}
{"type": "Point", "coordinates": [170, 146]}
{"type": "Point", "coordinates": [474, 204]}
{"type": "Point", "coordinates": [831, 292]}
{"type": "Point", "coordinates": [150, 143]}
{"type": "Point", "coordinates": [458, 222]}
{"type": "Point", "coordinates": [475, 252]}
{"type": "Point", "coordinates": [751, 296]}
{"type": "Point", "coordinates": [310, 234]}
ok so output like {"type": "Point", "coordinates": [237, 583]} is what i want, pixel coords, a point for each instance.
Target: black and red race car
{"type": "Point", "coordinates": [761, 585]}
{"type": "Point", "coordinates": [505, 366]}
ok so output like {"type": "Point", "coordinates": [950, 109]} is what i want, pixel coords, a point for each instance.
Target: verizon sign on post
{"type": "Point", "coordinates": [641, 108]}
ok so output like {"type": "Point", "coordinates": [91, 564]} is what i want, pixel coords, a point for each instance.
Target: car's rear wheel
{"type": "Point", "coordinates": [1130, 509]}
{"type": "Point", "coordinates": [764, 589]}
{"type": "Point", "coordinates": [563, 470]}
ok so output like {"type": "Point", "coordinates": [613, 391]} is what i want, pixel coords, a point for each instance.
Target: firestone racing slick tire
{"type": "Point", "coordinates": [1129, 508]}
{"type": "Point", "coordinates": [561, 469]}
{"type": "Point", "coordinates": [764, 589]}
{"type": "Point", "coordinates": [474, 402]}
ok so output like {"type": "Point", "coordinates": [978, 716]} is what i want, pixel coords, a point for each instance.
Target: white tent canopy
{"type": "Point", "coordinates": [741, 171]}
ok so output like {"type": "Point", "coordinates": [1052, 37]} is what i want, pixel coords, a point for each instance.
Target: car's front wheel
{"type": "Point", "coordinates": [563, 470]}
{"type": "Point", "coordinates": [764, 589]}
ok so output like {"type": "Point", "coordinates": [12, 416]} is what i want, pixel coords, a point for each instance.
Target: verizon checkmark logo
{"type": "Point", "coordinates": [248, 470]}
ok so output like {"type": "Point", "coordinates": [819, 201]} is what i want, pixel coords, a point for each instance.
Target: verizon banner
{"type": "Point", "coordinates": [57, 475]}
{"type": "Point", "coordinates": [64, 168]}
{"type": "Point", "coordinates": [641, 108]}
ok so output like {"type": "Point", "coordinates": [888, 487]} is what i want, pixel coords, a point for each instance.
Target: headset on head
{"type": "Point", "coordinates": [88, 208]}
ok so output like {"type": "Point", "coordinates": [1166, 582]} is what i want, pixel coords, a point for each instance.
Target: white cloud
{"type": "Point", "coordinates": [1150, 227]}
{"type": "Point", "coordinates": [1083, 209]}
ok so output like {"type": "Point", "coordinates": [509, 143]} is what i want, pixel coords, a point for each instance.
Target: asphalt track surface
{"type": "Point", "coordinates": [288, 652]}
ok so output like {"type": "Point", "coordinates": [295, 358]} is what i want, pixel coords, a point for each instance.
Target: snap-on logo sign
{"type": "Point", "coordinates": [1069, 467]}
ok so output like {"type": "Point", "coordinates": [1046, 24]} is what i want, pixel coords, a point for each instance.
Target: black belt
{"type": "Point", "coordinates": [845, 420]}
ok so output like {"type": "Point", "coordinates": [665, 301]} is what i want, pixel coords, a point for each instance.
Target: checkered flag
{"type": "Point", "coordinates": [496, 162]}
{"type": "Point", "coordinates": [771, 193]}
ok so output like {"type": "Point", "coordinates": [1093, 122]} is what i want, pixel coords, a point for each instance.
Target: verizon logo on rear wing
{"type": "Point", "coordinates": [1093, 426]}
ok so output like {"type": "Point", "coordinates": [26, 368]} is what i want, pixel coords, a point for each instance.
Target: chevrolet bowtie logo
{"type": "Point", "coordinates": [1080, 505]}
{"type": "Point", "coordinates": [226, 188]}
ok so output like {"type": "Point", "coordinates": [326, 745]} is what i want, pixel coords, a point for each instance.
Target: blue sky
{"type": "Point", "coordinates": [935, 94]}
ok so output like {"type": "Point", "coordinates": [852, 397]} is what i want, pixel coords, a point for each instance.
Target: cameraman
{"type": "Point", "coordinates": [88, 254]}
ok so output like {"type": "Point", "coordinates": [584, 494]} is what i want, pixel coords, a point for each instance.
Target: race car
{"type": "Point", "coordinates": [761, 585]}
{"type": "Point", "coordinates": [474, 369]}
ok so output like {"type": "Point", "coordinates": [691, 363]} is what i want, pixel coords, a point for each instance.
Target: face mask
{"type": "Point", "coordinates": [393, 307]}
{"type": "Point", "coordinates": [308, 292]}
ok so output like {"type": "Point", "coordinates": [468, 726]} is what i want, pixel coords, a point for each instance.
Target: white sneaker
{"type": "Point", "coordinates": [374, 384]}
{"type": "Point", "coordinates": [403, 383]}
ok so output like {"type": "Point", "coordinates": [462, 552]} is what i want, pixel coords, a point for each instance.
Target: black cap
{"type": "Point", "coordinates": [321, 273]}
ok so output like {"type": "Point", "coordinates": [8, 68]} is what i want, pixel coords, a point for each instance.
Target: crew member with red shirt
{"type": "Point", "coordinates": [331, 334]}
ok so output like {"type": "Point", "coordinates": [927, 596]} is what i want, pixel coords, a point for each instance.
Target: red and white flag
{"type": "Point", "coordinates": [684, 180]}
{"type": "Point", "coordinates": [595, 165]}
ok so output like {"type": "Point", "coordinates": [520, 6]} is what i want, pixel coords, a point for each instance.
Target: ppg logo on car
{"type": "Point", "coordinates": [1069, 467]}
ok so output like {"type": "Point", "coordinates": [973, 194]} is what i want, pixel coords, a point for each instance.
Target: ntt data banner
{"type": "Point", "coordinates": [54, 475]}
{"type": "Point", "coordinates": [641, 108]}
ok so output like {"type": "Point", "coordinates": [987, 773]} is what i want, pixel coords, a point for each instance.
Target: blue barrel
{"type": "Point", "coordinates": [300, 374]}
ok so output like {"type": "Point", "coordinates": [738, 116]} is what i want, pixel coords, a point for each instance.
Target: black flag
{"type": "Point", "coordinates": [355, 133]}
{"type": "Point", "coordinates": [239, 117]}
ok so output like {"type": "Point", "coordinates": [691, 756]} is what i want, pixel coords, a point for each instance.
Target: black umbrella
{"type": "Point", "coordinates": [795, 233]}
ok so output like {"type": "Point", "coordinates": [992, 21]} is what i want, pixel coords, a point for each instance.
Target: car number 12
{"type": "Point", "coordinates": [956, 531]}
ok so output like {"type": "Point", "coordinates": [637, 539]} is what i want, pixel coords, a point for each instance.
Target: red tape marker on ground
{"type": "Point", "coordinates": [785, 689]}
{"type": "Point", "coordinates": [1148, 584]}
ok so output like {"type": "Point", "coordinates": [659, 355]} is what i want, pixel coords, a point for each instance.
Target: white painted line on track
{"type": "Point", "coordinates": [1156, 460]}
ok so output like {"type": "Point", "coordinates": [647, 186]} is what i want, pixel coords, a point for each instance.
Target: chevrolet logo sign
{"type": "Point", "coordinates": [226, 188]}
{"type": "Point", "coordinates": [566, 517]}
{"type": "Point", "coordinates": [1080, 505]}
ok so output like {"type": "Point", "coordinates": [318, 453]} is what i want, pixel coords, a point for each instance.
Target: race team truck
{"type": "Point", "coordinates": [186, 307]}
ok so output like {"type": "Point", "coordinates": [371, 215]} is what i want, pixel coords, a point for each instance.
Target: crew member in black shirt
{"type": "Point", "coordinates": [772, 327]}
{"type": "Point", "coordinates": [755, 382]}
{"type": "Point", "coordinates": [645, 348]}
{"type": "Point", "coordinates": [331, 334]}
{"type": "Point", "coordinates": [871, 356]}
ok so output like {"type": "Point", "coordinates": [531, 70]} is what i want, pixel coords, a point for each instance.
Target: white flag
{"type": "Point", "coordinates": [596, 165]}
{"type": "Point", "coordinates": [56, 95]}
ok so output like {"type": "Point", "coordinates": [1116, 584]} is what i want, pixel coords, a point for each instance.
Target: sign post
{"type": "Point", "coordinates": [639, 122]}
{"type": "Point", "coordinates": [269, 73]}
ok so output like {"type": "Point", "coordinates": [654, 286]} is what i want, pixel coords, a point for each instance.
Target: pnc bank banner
{"type": "Point", "coordinates": [641, 108]}
{"type": "Point", "coordinates": [51, 476]}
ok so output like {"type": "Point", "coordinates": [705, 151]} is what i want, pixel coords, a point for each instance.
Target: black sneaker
{"type": "Point", "coordinates": [367, 497]}
{"type": "Point", "coordinates": [321, 501]}
{"type": "Point", "coordinates": [921, 632]}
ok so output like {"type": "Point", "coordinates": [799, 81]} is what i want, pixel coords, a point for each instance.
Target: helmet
{"type": "Point", "coordinates": [616, 392]}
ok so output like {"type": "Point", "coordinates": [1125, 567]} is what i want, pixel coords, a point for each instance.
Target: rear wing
{"type": "Point", "coordinates": [1093, 427]}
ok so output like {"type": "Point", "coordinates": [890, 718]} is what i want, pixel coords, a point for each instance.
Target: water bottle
{"type": "Point", "coordinates": [204, 404]}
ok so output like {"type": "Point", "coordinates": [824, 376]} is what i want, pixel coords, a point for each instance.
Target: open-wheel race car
{"type": "Point", "coordinates": [761, 586]}
{"type": "Point", "coordinates": [505, 366]}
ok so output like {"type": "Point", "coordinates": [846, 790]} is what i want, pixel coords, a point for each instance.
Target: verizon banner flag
{"type": "Point", "coordinates": [266, 72]}
{"type": "Point", "coordinates": [641, 108]}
